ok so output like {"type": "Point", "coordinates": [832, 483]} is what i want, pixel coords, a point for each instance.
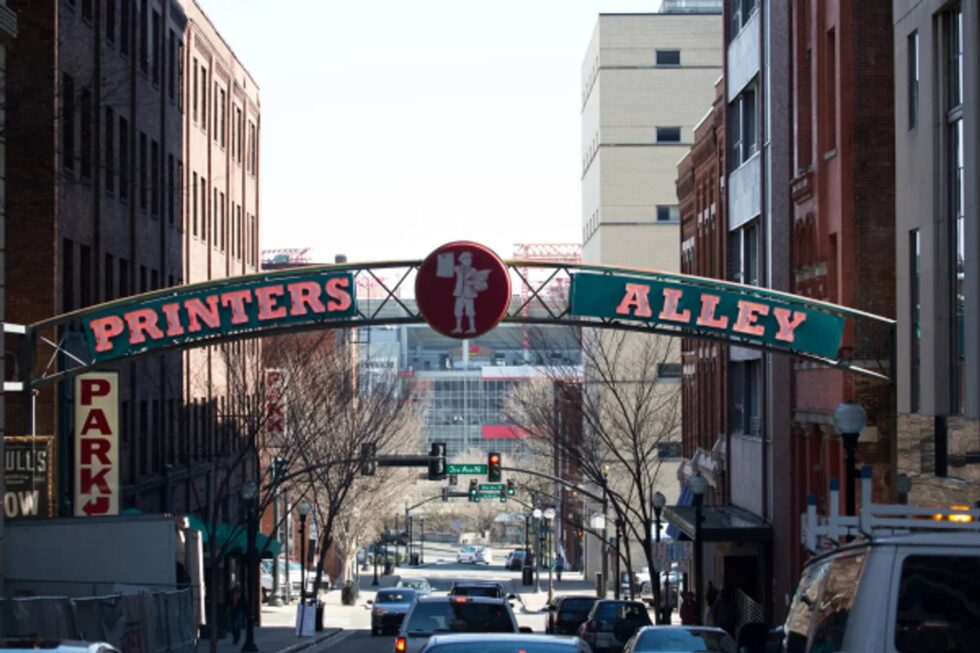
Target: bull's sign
{"type": "Point", "coordinates": [173, 319]}
{"type": "Point", "coordinates": [756, 319]}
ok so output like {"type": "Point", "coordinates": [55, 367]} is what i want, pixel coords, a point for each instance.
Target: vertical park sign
{"type": "Point", "coordinates": [97, 444]}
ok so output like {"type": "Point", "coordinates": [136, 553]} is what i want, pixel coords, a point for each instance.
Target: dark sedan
{"type": "Point", "coordinates": [389, 608]}
{"type": "Point", "coordinates": [567, 613]}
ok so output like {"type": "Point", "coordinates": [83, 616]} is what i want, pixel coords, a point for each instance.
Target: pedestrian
{"type": "Point", "coordinates": [236, 612]}
{"type": "Point", "coordinates": [689, 609]}
{"type": "Point", "coordinates": [711, 594]}
{"type": "Point", "coordinates": [559, 565]}
{"type": "Point", "coordinates": [725, 611]}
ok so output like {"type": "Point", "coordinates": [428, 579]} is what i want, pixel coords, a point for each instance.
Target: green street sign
{"type": "Point", "coordinates": [474, 470]}
{"type": "Point", "coordinates": [765, 318]}
{"type": "Point", "coordinates": [490, 493]}
{"type": "Point", "coordinates": [492, 486]}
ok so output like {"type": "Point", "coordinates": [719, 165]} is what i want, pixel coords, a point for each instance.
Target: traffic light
{"type": "Point", "coordinates": [278, 468]}
{"type": "Point", "coordinates": [579, 533]}
{"type": "Point", "coordinates": [503, 495]}
{"type": "Point", "coordinates": [453, 480]}
{"type": "Point", "coordinates": [437, 461]}
{"type": "Point", "coordinates": [474, 491]}
{"type": "Point", "coordinates": [493, 467]}
{"type": "Point", "coordinates": [511, 490]}
{"type": "Point", "coordinates": [445, 494]}
{"type": "Point", "coordinates": [368, 462]}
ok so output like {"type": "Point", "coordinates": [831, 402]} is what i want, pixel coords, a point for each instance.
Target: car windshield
{"type": "Point", "coordinates": [609, 610]}
{"type": "Point", "coordinates": [489, 592]}
{"type": "Point", "coordinates": [392, 596]}
{"type": "Point", "coordinates": [522, 646]}
{"type": "Point", "coordinates": [415, 584]}
{"type": "Point", "coordinates": [671, 639]}
{"type": "Point", "coordinates": [459, 617]}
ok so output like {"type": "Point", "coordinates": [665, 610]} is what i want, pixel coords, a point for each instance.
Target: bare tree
{"type": "Point", "coordinates": [628, 416]}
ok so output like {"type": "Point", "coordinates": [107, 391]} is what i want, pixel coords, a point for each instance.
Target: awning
{"type": "Point", "coordinates": [686, 499]}
{"type": "Point", "coordinates": [195, 522]}
{"type": "Point", "coordinates": [720, 523]}
{"type": "Point", "coordinates": [233, 539]}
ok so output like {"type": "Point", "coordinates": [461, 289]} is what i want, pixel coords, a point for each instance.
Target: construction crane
{"type": "Point", "coordinates": [286, 256]}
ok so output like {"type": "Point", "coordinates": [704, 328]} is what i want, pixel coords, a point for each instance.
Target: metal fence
{"type": "Point", "coordinates": [146, 622]}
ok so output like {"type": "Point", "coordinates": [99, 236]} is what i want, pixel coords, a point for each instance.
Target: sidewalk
{"type": "Point", "coordinates": [276, 635]}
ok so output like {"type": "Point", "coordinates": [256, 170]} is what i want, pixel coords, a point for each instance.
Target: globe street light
{"type": "Point", "coordinates": [658, 500]}
{"type": "Point", "coordinates": [850, 418]}
{"type": "Point", "coordinates": [250, 491]}
{"type": "Point", "coordinates": [698, 486]}
{"type": "Point", "coordinates": [537, 514]}
{"type": "Point", "coordinates": [598, 523]}
{"type": "Point", "coordinates": [303, 509]}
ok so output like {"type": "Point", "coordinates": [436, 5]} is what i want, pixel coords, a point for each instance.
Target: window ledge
{"type": "Point", "coordinates": [830, 154]}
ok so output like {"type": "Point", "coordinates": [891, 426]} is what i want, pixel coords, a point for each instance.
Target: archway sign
{"type": "Point", "coordinates": [462, 290]}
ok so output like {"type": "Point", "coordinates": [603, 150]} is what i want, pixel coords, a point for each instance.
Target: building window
{"type": "Point", "coordinates": [172, 65]}
{"type": "Point", "coordinates": [830, 90]}
{"type": "Point", "coordinates": [668, 134]}
{"type": "Point", "coordinates": [124, 288]}
{"type": "Point", "coordinates": [154, 280]}
{"type": "Point", "coordinates": [85, 276]}
{"type": "Point", "coordinates": [143, 286]}
{"type": "Point", "coordinates": [67, 275]}
{"type": "Point", "coordinates": [144, 44]}
{"type": "Point", "coordinates": [85, 109]}
{"type": "Point", "coordinates": [214, 111]}
{"type": "Point", "coordinates": [204, 98]}
{"type": "Point", "coordinates": [171, 188]}
{"type": "Point", "coordinates": [915, 271]}
{"type": "Point", "coordinates": [744, 129]}
{"type": "Point", "coordinates": [669, 213]}
{"type": "Point", "coordinates": [194, 204]}
{"type": "Point", "coordinates": [68, 121]}
{"type": "Point", "coordinates": [668, 57]}
{"type": "Point", "coordinates": [913, 81]}
{"type": "Point", "coordinates": [124, 19]}
{"type": "Point", "coordinates": [87, 10]}
{"type": "Point", "coordinates": [123, 158]}
{"type": "Point", "coordinates": [154, 178]}
{"type": "Point", "coordinates": [744, 388]}
{"type": "Point", "coordinates": [224, 222]}
{"type": "Point", "coordinates": [214, 219]}
{"type": "Point", "coordinates": [157, 51]}
{"type": "Point", "coordinates": [110, 144]}
{"type": "Point", "coordinates": [253, 147]}
{"type": "Point", "coordinates": [204, 208]}
{"type": "Point", "coordinates": [222, 128]}
{"type": "Point", "coordinates": [143, 171]}
{"type": "Point", "coordinates": [744, 255]}
{"type": "Point", "coordinates": [194, 89]}
{"type": "Point", "coordinates": [180, 76]}
{"type": "Point", "coordinates": [108, 273]}
{"type": "Point", "coordinates": [956, 177]}
{"type": "Point", "coordinates": [110, 20]}
{"type": "Point", "coordinates": [668, 370]}
{"type": "Point", "coordinates": [741, 11]}
{"type": "Point", "coordinates": [669, 450]}
{"type": "Point", "coordinates": [178, 189]}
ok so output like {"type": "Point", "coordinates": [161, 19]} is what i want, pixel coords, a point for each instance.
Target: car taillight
{"type": "Point", "coordinates": [460, 599]}
{"type": "Point", "coordinates": [401, 644]}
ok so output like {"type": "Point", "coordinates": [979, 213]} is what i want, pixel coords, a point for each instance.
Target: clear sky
{"type": "Point", "coordinates": [390, 127]}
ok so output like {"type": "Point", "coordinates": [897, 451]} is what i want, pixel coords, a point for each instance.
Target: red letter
{"type": "Point", "coordinates": [267, 296]}
{"type": "Point", "coordinates": [196, 309]}
{"type": "Point", "coordinates": [143, 320]}
{"type": "Point", "coordinates": [173, 319]}
{"type": "Point", "coordinates": [96, 420]}
{"type": "Point", "coordinates": [337, 290]}
{"type": "Point", "coordinates": [104, 329]}
{"type": "Point", "coordinates": [787, 324]}
{"type": "Point", "coordinates": [237, 299]}
{"type": "Point", "coordinates": [303, 294]}
{"type": "Point", "coordinates": [88, 481]}
{"type": "Point", "coordinates": [94, 388]}
{"type": "Point", "coordinates": [94, 448]}
{"type": "Point", "coordinates": [636, 296]}
{"type": "Point", "coordinates": [748, 315]}
{"type": "Point", "coordinates": [709, 304]}
{"type": "Point", "coordinates": [671, 298]}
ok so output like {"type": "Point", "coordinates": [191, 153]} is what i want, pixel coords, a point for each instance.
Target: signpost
{"type": "Point", "coordinates": [472, 470]}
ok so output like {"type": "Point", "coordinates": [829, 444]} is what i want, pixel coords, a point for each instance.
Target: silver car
{"type": "Point", "coordinates": [505, 643]}
{"type": "Point", "coordinates": [65, 646]}
{"type": "Point", "coordinates": [433, 615]}
{"type": "Point", "coordinates": [680, 639]}
{"type": "Point", "coordinates": [389, 607]}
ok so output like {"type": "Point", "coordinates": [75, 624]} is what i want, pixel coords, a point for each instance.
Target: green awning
{"type": "Point", "coordinates": [268, 547]}
{"type": "Point", "coordinates": [195, 522]}
{"type": "Point", "coordinates": [233, 539]}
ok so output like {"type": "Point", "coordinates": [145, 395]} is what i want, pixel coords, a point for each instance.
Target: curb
{"type": "Point", "coordinates": [313, 641]}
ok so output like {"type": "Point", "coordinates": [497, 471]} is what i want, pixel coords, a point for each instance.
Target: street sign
{"type": "Point", "coordinates": [492, 486]}
{"type": "Point", "coordinates": [493, 494]}
{"type": "Point", "coordinates": [466, 469]}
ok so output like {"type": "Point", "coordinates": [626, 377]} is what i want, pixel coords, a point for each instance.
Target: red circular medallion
{"type": "Point", "coordinates": [462, 290]}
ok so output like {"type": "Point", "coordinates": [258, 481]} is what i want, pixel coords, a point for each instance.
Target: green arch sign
{"type": "Point", "coordinates": [318, 297]}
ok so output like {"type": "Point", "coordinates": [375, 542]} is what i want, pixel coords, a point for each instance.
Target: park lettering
{"type": "Point", "coordinates": [748, 318]}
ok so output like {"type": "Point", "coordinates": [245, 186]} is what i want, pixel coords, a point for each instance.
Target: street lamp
{"type": "Point", "coordinates": [698, 486]}
{"type": "Point", "coordinates": [421, 538]}
{"type": "Point", "coordinates": [598, 523]}
{"type": "Point", "coordinates": [658, 500]}
{"type": "Point", "coordinates": [850, 418]}
{"type": "Point", "coordinates": [250, 491]}
{"type": "Point", "coordinates": [537, 514]}
{"type": "Point", "coordinates": [549, 515]}
{"type": "Point", "coordinates": [303, 509]}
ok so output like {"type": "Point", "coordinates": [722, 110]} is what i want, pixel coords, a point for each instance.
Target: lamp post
{"type": "Point", "coordinates": [658, 501]}
{"type": "Point", "coordinates": [850, 418]}
{"type": "Point", "coordinates": [250, 491]}
{"type": "Point", "coordinates": [698, 486]}
{"type": "Point", "coordinates": [537, 514]}
{"type": "Point", "coordinates": [303, 509]}
{"type": "Point", "coordinates": [421, 538]}
{"type": "Point", "coordinates": [598, 523]}
{"type": "Point", "coordinates": [375, 556]}
{"type": "Point", "coordinates": [549, 516]}
{"type": "Point", "coordinates": [618, 587]}
{"type": "Point", "coordinates": [605, 532]}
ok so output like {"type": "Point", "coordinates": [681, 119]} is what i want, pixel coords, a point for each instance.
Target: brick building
{"type": "Point", "coordinates": [133, 167]}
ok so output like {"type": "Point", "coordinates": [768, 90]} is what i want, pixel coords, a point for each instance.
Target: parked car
{"type": "Point", "coordinates": [918, 592]}
{"type": "Point", "coordinates": [457, 614]}
{"type": "Point", "coordinates": [389, 608]}
{"type": "Point", "coordinates": [680, 639]}
{"type": "Point", "coordinates": [515, 559]}
{"type": "Point", "coordinates": [567, 613]}
{"type": "Point", "coordinates": [505, 642]}
{"type": "Point", "coordinates": [420, 585]}
{"type": "Point", "coordinates": [483, 556]}
{"type": "Point", "coordinates": [55, 646]}
{"type": "Point", "coordinates": [611, 623]}
{"type": "Point", "coordinates": [467, 554]}
{"type": "Point", "coordinates": [295, 579]}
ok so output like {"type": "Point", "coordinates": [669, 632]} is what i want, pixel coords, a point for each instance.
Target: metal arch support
{"type": "Point", "coordinates": [544, 302]}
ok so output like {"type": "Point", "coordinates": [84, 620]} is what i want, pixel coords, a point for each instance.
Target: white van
{"type": "Point", "coordinates": [898, 594]}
